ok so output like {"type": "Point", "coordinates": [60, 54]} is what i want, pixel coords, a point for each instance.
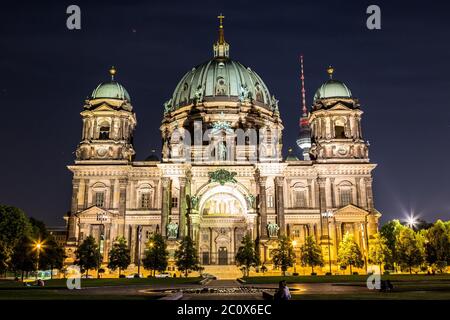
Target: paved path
{"type": "Point", "coordinates": [223, 283]}
{"type": "Point", "coordinates": [242, 292]}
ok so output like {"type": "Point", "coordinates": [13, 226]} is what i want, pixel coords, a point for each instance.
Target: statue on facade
{"type": "Point", "coordinates": [273, 228]}
{"type": "Point", "coordinates": [222, 151]}
{"type": "Point", "coordinates": [244, 93]}
{"type": "Point", "coordinates": [198, 95]}
{"type": "Point", "coordinates": [172, 230]}
{"type": "Point", "coordinates": [168, 106]}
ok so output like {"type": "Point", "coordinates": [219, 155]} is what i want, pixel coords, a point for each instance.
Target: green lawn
{"type": "Point", "coordinates": [86, 283]}
{"type": "Point", "coordinates": [57, 290]}
{"type": "Point", "coordinates": [49, 294]}
{"type": "Point", "coordinates": [346, 279]}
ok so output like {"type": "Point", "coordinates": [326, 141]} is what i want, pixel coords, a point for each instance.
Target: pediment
{"type": "Point", "coordinates": [104, 107]}
{"type": "Point", "coordinates": [339, 106]}
{"type": "Point", "coordinates": [96, 213]}
{"type": "Point", "coordinates": [350, 210]}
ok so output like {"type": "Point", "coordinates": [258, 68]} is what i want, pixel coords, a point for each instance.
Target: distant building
{"type": "Point", "coordinates": [59, 234]}
{"type": "Point", "coordinates": [225, 183]}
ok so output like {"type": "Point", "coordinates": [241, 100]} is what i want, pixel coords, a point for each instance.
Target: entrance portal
{"type": "Point", "coordinates": [223, 256]}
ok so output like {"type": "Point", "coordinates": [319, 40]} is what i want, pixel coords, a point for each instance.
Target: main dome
{"type": "Point", "coordinates": [220, 79]}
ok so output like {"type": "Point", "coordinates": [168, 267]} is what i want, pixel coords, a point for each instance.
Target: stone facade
{"type": "Point", "coordinates": [225, 182]}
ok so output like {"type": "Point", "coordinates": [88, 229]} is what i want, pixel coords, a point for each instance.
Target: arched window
{"type": "Point", "coordinates": [345, 193]}
{"type": "Point", "coordinates": [104, 131]}
{"type": "Point", "coordinates": [270, 201]}
{"type": "Point", "coordinates": [145, 200]}
{"type": "Point", "coordinates": [299, 195]}
{"type": "Point", "coordinates": [99, 199]}
{"type": "Point", "coordinates": [339, 128]}
{"type": "Point", "coordinates": [99, 195]}
{"type": "Point", "coordinates": [339, 132]}
{"type": "Point", "coordinates": [299, 198]}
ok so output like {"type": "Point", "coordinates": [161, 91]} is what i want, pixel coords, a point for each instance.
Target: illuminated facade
{"type": "Point", "coordinates": [221, 173]}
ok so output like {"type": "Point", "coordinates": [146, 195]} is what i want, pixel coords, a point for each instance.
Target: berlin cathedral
{"type": "Point", "coordinates": [221, 173]}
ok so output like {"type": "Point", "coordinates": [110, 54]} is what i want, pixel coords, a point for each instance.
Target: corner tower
{"type": "Point", "coordinates": [108, 124]}
{"type": "Point", "coordinates": [336, 124]}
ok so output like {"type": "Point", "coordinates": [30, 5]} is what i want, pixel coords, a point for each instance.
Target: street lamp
{"type": "Point", "coordinates": [139, 249]}
{"type": "Point", "coordinates": [411, 221]}
{"type": "Point", "coordinates": [38, 245]}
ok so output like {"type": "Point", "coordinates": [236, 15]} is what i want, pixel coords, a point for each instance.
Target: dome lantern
{"type": "Point", "coordinates": [221, 48]}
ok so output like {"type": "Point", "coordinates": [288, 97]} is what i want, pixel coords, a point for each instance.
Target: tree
{"type": "Point", "coordinates": [156, 255]}
{"type": "Point", "coordinates": [52, 256]}
{"type": "Point", "coordinates": [88, 255]}
{"type": "Point", "coordinates": [119, 255]}
{"type": "Point", "coordinates": [311, 254]}
{"type": "Point", "coordinates": [284, 255]}
{"type": "Point", "coordinates": [410, 249]}
{"type": "Point", "coordinates": [437, 247]}
{"type": "Point", "coordinates": [14, 225]}
{"type": "Point", "coordinates": [379, 251]}
{"type": "Point", "coordinates": [390, 232]}
{"type": "Point", "coordinates": [3, 259]}
{"type": "Point", "coordinates": [186, 258]}
{"type": "Point", "coordinates": [246, 255]}
{"type": "Point", "coordinates": [349, 253]}
{"type": "Point", "coordinates": [24, 258]}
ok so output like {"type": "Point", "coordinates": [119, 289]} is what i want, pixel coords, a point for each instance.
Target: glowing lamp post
{"type": "Point", "coordinates": [38, 245]}
{"type": "Point", "coordinates": [411, 221]}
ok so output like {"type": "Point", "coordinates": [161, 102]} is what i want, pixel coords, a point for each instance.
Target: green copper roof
{"type": "Point", "coordinates": [220, 79]}
{"type": "Point", "coordinates": [333, 89]}
{"type": "Point", "coordinates": [111, 90]}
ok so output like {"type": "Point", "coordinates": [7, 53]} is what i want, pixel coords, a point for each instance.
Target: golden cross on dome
{"type": "Point", "coordinates": [221, 17]}
{"type": "Point", "coordinates": [330, 71]}
{"type": "Point", "coordinates": [112, 72]}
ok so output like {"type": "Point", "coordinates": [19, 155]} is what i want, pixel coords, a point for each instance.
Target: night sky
{"type": "Point", "coordinates": [401, 74]}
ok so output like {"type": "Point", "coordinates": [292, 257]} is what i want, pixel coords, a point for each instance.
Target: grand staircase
{"type": "Point", "coordinates": [223, 272]}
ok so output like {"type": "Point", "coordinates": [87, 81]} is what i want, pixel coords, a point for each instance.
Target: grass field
{"type": "Point", "coordinates": [113, 289]}
{"type": "Point", "coordinates": [347, 279]}
{"type": "Point", "coordinates": [89, 283]}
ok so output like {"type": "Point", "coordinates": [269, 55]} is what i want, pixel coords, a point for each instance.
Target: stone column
{"type": "Point", "coordinates": [165, 205]}
{"type": "Point", "coordinates": [279, 199]}
{"type": "Point", "coordinates": [106, 241]}
{"type": "Point", "coordinates": [310, 195]}
{"type": "Point", "coordinates": [182, 209]}
{"type": "Point", "coordinates": [322, 204]}
{"type": "Point", "coordinates": [111, 198]}
{"type": "Point", "coordinates": [262, 206]}
{"type": "Point", "coordinates": [369, 193]}
{"type": "Point", "coordinates": [133, 243]}
{"type": "Point", "coordinates": [122, 203]}
{"type": "Point", "coordinates": [333, 200]}
{"type": "Point", "coordinates": [72, 227]}
{"type": "Point", "coordinates": [210, 245]}
{"type": "Point", "coordinates": [358, 192]}
{"type": "Point", "coordinates": [86, 194]}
